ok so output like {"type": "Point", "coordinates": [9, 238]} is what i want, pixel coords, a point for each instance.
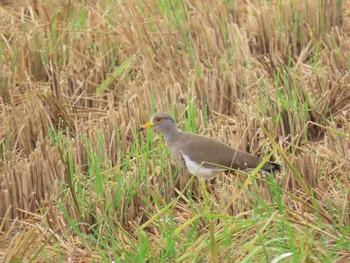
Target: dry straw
{"type": "Point", "coordinates": [78, 78]}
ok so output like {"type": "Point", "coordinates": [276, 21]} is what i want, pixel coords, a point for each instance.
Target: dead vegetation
{"type": "Point", "coordinates": [78, 78]}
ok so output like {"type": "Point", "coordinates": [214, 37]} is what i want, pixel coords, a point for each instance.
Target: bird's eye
{"type": "Point", "coordinates": [158, 119]}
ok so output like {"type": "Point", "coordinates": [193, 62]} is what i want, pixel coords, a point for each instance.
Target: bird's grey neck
{"type": "Point", "coordinates": [171, 136]}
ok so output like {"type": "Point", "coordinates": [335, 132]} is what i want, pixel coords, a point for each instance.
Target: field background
{"type": "Point", "coordinates": [78, 184]}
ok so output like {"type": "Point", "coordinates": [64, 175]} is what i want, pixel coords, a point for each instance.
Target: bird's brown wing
{"type": "Point", "coordinates": [209, 151]}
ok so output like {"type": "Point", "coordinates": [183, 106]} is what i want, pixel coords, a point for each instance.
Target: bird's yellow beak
{"type": "Point", "coordinates": [146, 126]}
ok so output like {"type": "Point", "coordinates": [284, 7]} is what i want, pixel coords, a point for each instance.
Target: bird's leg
{"type": "Point", "coordinates": [205, 193]}
{"type": "Point", "coordinates": [209, 195]}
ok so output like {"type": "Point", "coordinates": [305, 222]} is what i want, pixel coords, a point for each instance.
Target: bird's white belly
{"type": "Point", "coordinates": [199, 170]}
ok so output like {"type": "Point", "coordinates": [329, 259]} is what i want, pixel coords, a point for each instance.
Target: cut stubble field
{"type": "Point", "coordinates": [79, 184]}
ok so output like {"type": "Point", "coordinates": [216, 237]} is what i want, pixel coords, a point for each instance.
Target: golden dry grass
{"type": "Point", "coordinates": [78, 78]}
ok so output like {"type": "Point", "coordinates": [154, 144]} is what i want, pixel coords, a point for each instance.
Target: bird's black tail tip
{"type": "Point", "coordinates": [275, 167]}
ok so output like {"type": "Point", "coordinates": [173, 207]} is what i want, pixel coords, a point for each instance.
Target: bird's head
{"type": "Point", "coordinates": [160, 121]}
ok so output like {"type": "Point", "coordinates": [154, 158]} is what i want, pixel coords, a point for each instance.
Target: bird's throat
{"type": "Point", "coordinates": [171, 137]}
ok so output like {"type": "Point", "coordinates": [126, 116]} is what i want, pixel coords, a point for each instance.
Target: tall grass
{"type": "Point", "coordinates": [78, 183]}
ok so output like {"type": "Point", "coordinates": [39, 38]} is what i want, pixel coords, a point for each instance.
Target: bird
{"type": "Point", "coordinates": [201, 155]}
